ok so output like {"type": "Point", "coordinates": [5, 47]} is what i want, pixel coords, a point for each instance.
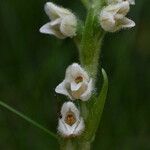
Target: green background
{"type": "Point", "coordinates": [32, 64]}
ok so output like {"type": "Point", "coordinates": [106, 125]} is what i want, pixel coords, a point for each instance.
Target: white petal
{"type": "Point", "coordinates": [62, 129]}
{"type": "Point", "coordinates": [132, 2]}
{"type": "Point", "coordinates": [107, 21]}
{"type": "Point", "coordinates": [55, 22]}
{"type": "Point", "coordinates": [113, 1]}
{"type": "Point", "coordinates": [87, 94]}
{"type": "Point", "coordinates": [75, 86]}
{"type": "Point", "coordinates": [48, 28]}
{"type": "Point", "coordinates": [61, 89]}
{"type": "Point", "coordinates": [79, 128]}
{"type": "Point", "coordinates": [127, 23]}
{"type": "Point", "coordinates": [124, 8]}
{"type": "Point", "coordinates": [69, 106]}
{"type": "Point", "coordinates": [67, 130]}
{"type": "Point", "coordinates": [70, 129]}
{"type": "Point", "coordinates": [54, 11]}
{"type": "Point", "coordinates": [120, 8]}
{"type": "Point", "coordinates": [61, 126]}
{"type": "Point", "coordinates": [68, 25]}
{"type": "Point", "coordinates": [75, 70]}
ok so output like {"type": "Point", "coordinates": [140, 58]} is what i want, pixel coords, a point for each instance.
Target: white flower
{"type": "Point", "coordinates": [70, 123]}
{"type": "Point", "coordinates": [132, 2]}
{"type": "Point", "coordinates": [112, 17]}
{"type": "Point", "coordinates": [77, 84]}
{"type": "Point", "coordinates": [63, 22]}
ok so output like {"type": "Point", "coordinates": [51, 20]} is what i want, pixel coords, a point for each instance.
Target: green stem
{"type": "Point", "coordinates": [74, 144]}
{"type": "Point", "coordinates": [85, 3]}
{"type": "Point", "coordinates": [87, 48]}
{"type": "Point", "coordinates": [85, 146]}
{"type": "Point", "coordinates": [91, 42]}
{"type": "Point", "coordinates": [66, 144]}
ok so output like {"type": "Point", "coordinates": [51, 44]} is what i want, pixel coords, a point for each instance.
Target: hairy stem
{"type": "Point", "coordinates": [75, 144]}
{"type": "Point", "coordinates": [91, 42]}
{"type": "Point", "coordinates": [85, 3]}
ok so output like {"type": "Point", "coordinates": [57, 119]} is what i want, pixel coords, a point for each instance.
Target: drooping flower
{"type": "Point", "coordinates": [70, 123]}
{"type": "Point", "coordinates": [132, 2]}
{"type": "Point", "coordinates": [113, 17]}
{"type": "Point", "coordinates": [77, 83]}
{"type": "Point", "coordinates": [63, 22]}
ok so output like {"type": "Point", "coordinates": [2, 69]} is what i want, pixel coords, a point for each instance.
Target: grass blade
{"type": "Point", "coordinates": [28, 119]}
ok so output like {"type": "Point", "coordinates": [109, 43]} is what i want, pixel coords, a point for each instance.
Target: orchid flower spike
{"type": "Point", "coordinates": [132, 2]}
{"type": "Point", "coordinates": [77, 83]}
{"type": "Point", "coordinates": [70, 123]}
{"type": "Point", "coordinates": [63, 22]}
{"type": "Point", "coordinates": [112, 17]}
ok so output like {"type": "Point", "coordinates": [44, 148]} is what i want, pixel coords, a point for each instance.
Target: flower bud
{"type": "Point", "coordinates": [112, 17]}
{"type": "Point", "coordinates": [63, 22]}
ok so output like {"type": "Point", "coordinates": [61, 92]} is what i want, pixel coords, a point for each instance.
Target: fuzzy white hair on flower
{"type": "Point", "coordinates": [113, 17]}
{"type": "Point", "coordinates": [70, 123]}
{"type": "Point", "coordinates": [77, 83]}
{"type": "Point", "coordinates": [132, 2]}
{"type": "Point", "coordinates": [63, 22]}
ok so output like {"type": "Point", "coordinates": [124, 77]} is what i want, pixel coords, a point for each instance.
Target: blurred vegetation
{"type": "Point", "coordinates": [32, 64]}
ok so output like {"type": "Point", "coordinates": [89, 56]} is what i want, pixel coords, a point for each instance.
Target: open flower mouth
{"type": "Point", "coordinates": [78, 79]}
{"type": "Point", "coordinates": [77, 83]}
{"type": "Point", "coordinates": [70, 118]}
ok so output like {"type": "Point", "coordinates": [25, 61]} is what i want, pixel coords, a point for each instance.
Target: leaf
{"type": "Point", "coordinates": [96, 110]}
{"type": "Point", "coordinates": [99, 104]}
{"type": "Point", "coordinates": [28, 119]}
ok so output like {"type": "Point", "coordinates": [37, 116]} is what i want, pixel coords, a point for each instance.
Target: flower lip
{"type": "Point", "coordinates": [70, 118]}
{"type": "Point", "coordinates": [78, 79]}
{"type": "Point", "coordinates": [75, 86]}
{"type": "Point", "coordinates": [69, 108]}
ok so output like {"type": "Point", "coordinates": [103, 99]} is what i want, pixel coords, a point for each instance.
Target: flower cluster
{"type": "Point", "coordinates": [113, 16]}
{"type": "Point", "coordinates": [77, 83]}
